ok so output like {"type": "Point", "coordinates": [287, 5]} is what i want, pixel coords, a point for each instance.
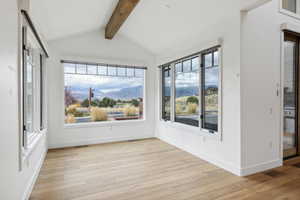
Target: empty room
{"type": "Point", "coordinates": [150, 99]}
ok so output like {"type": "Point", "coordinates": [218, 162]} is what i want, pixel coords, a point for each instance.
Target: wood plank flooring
{"type": "Point", "coordinates": [153, 170]}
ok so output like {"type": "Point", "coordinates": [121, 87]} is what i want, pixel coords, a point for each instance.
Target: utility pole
{"type": "Point", "coordinates": [91, 95]}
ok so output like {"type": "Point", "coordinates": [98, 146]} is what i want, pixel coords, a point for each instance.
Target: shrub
{"type": "Point", "coordinates": [98, 114]}
{"type": "Point", "coordinates": [130, 111]}
{"type": "Point", "coordinates": [192, 99]}
{"type": "Point", "coordinates": [72, 110]}
{"type": "Point", "coordinates": [179, 108]}
{"type": "Point", "coordinates": [192, 108]}
{"type": "Point", "coordinates": [70, 119]}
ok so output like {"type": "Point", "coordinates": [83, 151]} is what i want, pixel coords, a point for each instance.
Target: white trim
{"type": "Point", "coordinates": [26, 152]}
{"type": "Point", "coordinates": [294, 28]}
{"type": "Point", "coordinates": [281, 113]}
{"type": "Point", "coordinates": [98, 141]}
{"type": "Point", "coordinates": [104, 124]}
{"type": "Point", "coordinates": [192, 129]}
{"type": "Point", "coordinates": [260, 167]}
{"type": "Point", "coordinates": [217, 162]}
{"type": "Point", "coordinates": [290, 27]}
{"type": "Point", "coordinates": [34, 177]}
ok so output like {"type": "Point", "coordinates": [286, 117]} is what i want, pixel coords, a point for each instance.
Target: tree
{"type": "Point", "coordinates": [192, 99]}
{"type": "Point", "coordinates": [85, 103]}
{"type": "Point", "coordinates": [69, 98]}
{"type": "Point", "coordinates": [107, 102]}
{"type": "Point", "coordinates": [135, 102]}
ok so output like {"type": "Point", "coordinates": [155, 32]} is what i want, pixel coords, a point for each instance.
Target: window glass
{"type": "Point", "coordinates": [187, 66]}
{"type": "Point", "coordinates": [28, 86]}
{"type": "Point", "coordinates": [187, 95]}
{"type": "Point", "coordinates": [112, 71]}
{"type": "Point", "coordinates": [166, 93]}
{"type": "Point", "coordinates": [130, 71]}
{"type": "Point", "coordinates": [99, 98]}
{"type": "Point", "coordinates": [208, 60]}
{"type": "Point", "coordinates": [81, 69]}
{"type": "Point", "coordinates": [139, 72]}
{"type": "Point", "coordinates": [210, 84]}
{"type": "Point", "coordinates": [178, 67]}
{"type": "Point", "coordinates": [32, 86]}
{"type": "Point", "coordinates": [69, 68]}
{"type": "Point", "coordinates": [195, 64]}
{"type": "Point", "coordinates": [216, 58]}
{"type": "Point", "coordinates": [102, 70]}
{"type": "Point", "coordinates": [187, 88]}
{"type": "Point", "coordinates": [290, 5]}
{"type": "Point", "coordinates": [92, 69]}
{"type": "Point", "coordinates": [121, 71]}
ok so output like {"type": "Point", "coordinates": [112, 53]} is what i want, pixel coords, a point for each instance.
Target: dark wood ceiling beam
{"type": "Point", "coordinates": [119, 16]}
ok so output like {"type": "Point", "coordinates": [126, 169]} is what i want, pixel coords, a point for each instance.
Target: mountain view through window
{"type": "Point", "coordinates": [96, 93]}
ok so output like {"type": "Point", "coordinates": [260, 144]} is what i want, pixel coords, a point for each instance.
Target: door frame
{"type": "Point", "coordinates": [296, 38]}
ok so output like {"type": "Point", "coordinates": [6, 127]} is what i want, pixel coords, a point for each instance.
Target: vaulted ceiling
{"type": "Point", "coordinates": [151, 21]}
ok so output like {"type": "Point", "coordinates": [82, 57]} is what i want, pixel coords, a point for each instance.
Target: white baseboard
{"type": "Point", "coordinates": [33, 179]}
{"type": "Point", "coordinates": [260, 167]}
{"type": "Point", "coordinates": [229, 166]}
{"type": "Point", "coordinates": [96, 141]}
{"type": "Point", "coordinates": [219, 163]}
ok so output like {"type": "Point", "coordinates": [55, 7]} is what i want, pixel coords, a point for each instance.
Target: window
{"type": "Point", "coordinates": [187, 91]}
{"type": "Point", "coordinates": [210, 90]}
{"type": "Point", "coordinates": [291, 6]}
{"type": "Point", "coordinates": [166, 94]}
{"type": "Point", "coordinates": [101, 92]}
{"type": "Point", "coordinates": [196, 90]}
{"type": "Point", "coordinates": [32, 85]}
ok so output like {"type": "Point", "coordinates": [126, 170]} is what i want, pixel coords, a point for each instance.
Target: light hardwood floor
{"type": "Point", "coordinates": [153, 170]}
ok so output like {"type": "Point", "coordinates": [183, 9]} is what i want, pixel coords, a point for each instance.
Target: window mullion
{"type": "Point", "coordinates": [172, 111]}
{"type": "Point", "coordinates": [200, 90]}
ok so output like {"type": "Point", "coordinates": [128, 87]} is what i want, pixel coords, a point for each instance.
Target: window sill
{"type": "Point", "coordinates": [289, 13]}
{"type": "Point", "coordinates": [104, 124]}
{"type": "Point", "coordinates": [32, 144]}
{"type": "Point", "coordinates": [192, 129]}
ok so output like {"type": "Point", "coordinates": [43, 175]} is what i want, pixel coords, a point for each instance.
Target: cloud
{"type": "Point", "coordinates": [105, 83]}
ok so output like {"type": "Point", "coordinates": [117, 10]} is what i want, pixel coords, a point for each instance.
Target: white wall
{"type": "Point", "coordinates": [92, 47]}
{"type": "Point", "coordinates": [260, 75]}
{"type": "Point", "coordinates": [14, 184]}
{"type": "Point", "coordinates": [225, 153]}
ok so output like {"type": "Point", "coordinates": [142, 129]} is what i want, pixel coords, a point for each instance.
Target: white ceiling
{"type": "Point", "coordinates": [165, 21]}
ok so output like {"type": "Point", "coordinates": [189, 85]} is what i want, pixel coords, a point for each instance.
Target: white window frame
{"type": "Point", "coordinates": [287, 12]}
{"type": "Point", "coordinates": [104, 123]}
{"type": "Point", "coordinates": [28, 141]}
{"type": "Point", "coordinates": [217, 135]}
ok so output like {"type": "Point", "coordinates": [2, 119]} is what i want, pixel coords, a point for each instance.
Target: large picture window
{"type": "Point", "coordinates": [101, 92]}
{"type": "Point", "coordinates": [194, 89]}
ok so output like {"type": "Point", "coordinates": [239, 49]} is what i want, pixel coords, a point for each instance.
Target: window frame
{"type": "Point", "coordinates": [163, 115]}
{"type": "Point", "coordinates": [288, 12]}
{"type": "Point", "coordinates": [107, 65]}
{"type": "Point", "coordinates": [206, 132]}
{"type": "Point", "coordinates": [28, 139]}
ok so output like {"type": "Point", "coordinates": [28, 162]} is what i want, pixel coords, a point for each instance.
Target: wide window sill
{"type": "Point", "coordinates": [32, 144]}
{"type": "Point", "coordinates": [192, 129]}
{"type": "Point", "coordinates": [104, 124]}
